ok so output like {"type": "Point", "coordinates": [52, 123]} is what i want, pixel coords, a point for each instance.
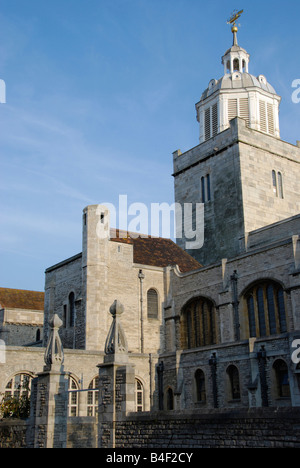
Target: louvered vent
{"type": "Point", "coordinates": [215, 119]}
{"type": "Point", "coordinates": [232, 109]}
{"type": "Point", "coordinates": [207, 124]}
{"type": "Point", "coordinates": [271, 126]}
{"type": "Point", "coordinates": [244, 110]}
{"type": "Point", "coordinates": [263, 116]}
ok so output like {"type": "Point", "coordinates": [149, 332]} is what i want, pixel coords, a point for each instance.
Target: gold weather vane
{"type": "Point", "coordinates": [234, 17]}
{"type": "Point", "coordinates": [232, 20]}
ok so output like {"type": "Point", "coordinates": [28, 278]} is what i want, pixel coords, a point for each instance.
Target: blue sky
{"type": "Point", "coordinates": [99, 95]}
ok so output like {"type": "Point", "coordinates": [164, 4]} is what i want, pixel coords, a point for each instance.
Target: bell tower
{"type": "Point", "coordinates": [242, 172]}
{"type": "Point", "coordinates": [238, 94]}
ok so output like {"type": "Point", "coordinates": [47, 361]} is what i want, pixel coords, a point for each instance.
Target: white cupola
{"type": "Point", "coordinates": [238, 94]}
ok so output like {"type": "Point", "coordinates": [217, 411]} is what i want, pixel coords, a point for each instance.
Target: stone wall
{"type": "Point", "coordinates": [259, 428]}
{"type": "Point", "coordinates": [22, 335]}
{"type": "Point", "coordinates": [103, 273]}
{"type": "Point", "coordinates": [218, 158]}
{"type": "Point", "coordinates": [259, 155]}
{"type": "Point", "coordinates": [108, 273]}
{"type": "Point", "coordinates": [275, 263]}
{"type": "Point", "coordinates": [82, 433]}
{"type": "Point", "coordinates": [13, 433]}
{"type": "Point", "coordinates": [82, 367]}
{"type": "Point", "coordinates": [239, 162]}
{"type": "Point", "coordinates": [263, 428]}
{"type": "Point", "coordinates": [180, 369]}
{"type": "Point", "coordinates": [273, 233]}
{"type": "Point", "coordinates": [214, 282]}
{"type": "Point", "coordinates": [62, 280]}
{"type": "Point", "coordinates": [18, 327]}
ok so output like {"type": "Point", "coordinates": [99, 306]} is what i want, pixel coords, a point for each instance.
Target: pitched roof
{"type": "Point", "coordinates": [156, 251]}
{"type": "Point", "coordinates": [20, 299]}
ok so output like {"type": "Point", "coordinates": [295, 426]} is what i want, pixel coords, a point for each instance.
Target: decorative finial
{"type": "Point", "coordinates": [232, 20]}
{"type": "Point", "coordinates": [54, 354]}
{"type": "Point", "coordinates": [116, 342]}
{"type": "Point", "coordinates": [116, 309]}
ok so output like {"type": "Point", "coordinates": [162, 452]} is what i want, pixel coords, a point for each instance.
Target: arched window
{"type": "Point", "coordinates": [251, 316]}
{"type": "Point", "coordinates": [274, 182]}
{"type": "Point", "coordinates": [139, 396]}
{"type": "Point", "coordinates": [16, 399]}
{"type": "Point", "coordinates": [280, 185]}
{"type": "Point", "coordinates": [281, 379]}
{"type": "Point", "coordinates": [200, 386]}
{"type": "Point", "coordinates": [277, 181]}
{"type": "Point", "coordinates": [205, 189]}
{"type": "Point", "coordinates": [72, 309]}
{"type": "Point", "coordinates": [93, 397]}
{"type": "Point", "coordinates": [208, 187]}
{"type": "Point", "coordinates": [261, 311]}
{"type": "Point", "coordinates": [152, 304]}
{"type": "Point", "coordinates": [233, 383]}
{"type": "Point", "coordinates": [236, 65]}
{"type": "Point", "coordinates": [73, 397]}
{"type": "Point", "coordinates": [198, 325]}
{"type": "Point", "coordinates": [65, 316]}
{"type": "Point", "coordinates": [266, 310]}
{"type": "Point", "coordinates": [203, 197]}
{"type": "Point", "coordinates": [19, 386]}
{"type": "Point", "coordinates": [38, 335]}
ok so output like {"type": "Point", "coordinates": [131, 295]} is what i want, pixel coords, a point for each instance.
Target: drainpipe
{"type": "Point", "coordinates": [150, 379]}
{"type": "Point", "coordinates": [74, 325]}
{"type": "Point", "coordinates": [160, 373]}
{"type": "Point", "coordinates": [235, 303]}
{"type": "Point", "coordinates": [141, 278]}
{"type": "Point", "coordinates": [213, 367]}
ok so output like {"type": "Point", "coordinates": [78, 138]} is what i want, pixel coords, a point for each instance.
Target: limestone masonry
{"type": "Point", "coordinates": [142, 325]}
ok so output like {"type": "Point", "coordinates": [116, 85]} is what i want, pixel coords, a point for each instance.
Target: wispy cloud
{"type": "Point", "coordinates": [20, 221]}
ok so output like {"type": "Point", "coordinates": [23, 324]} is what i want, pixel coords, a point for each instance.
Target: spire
{"type": "Point", "coordinates": [233, 19]}
{"type": "Point", "coordinates": [234, 31]}
{"type": "Point", "coordinates": [236, 58]}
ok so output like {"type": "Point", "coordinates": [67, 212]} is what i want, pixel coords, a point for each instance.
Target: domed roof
{"type": "Point", "coordinates": [238, 80]}
{"type": "Point", "coordinates": [235, 48]}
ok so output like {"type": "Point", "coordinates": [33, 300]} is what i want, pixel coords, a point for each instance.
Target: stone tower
{"type": "Point", "coordinates": [242, 172]}
{"type": "Point", "coordinates": [95, 254]}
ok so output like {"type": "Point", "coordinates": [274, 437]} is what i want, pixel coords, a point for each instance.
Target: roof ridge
{"type": "Point", "coordinates": [135, 234]}
{"type": "Point", "coordinates": [23, 290]}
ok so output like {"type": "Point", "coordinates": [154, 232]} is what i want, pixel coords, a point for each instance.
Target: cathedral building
{"type": "Point", "coordinates": [210, 328]}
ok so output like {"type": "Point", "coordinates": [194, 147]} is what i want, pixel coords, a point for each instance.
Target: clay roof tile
{"type": "Point", "coordinates": [156, 251]}
{"type": "Point", "coordinates": [20, 299]}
